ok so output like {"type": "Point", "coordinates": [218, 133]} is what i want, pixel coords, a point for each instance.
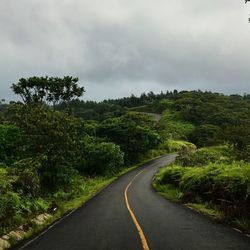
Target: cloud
{"type": "Point", "coordinates": [119, 47]}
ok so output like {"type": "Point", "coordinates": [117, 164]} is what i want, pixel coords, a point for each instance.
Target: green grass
{"type": "Point", "coordinates": [243, 224]}
{"type": "Point", "coordinates": [218, 190]}
{"type": "Point", "coordinates": [175, 195]}
{"type": "Point", "coordinates": [177, 146]}
{"type": "Point", "coordinates": [174, 126]}
{"type": "Point", "coordinates": [206, 209]}
{"type": "Point", "coordinates": [169, 192]}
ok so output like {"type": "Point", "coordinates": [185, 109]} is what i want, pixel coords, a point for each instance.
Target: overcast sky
{"type": "Point", "coordinates": [120, 47]}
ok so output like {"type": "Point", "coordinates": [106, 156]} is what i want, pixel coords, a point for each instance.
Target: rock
{"type": "Point", "coordinates": [6, 237]}
{"type": "Point", "coordinates": [40, 219]}
{"type": "Point", "coordinates": [4, 244]}
{"type": "Point", "coordinates": [16, 235]}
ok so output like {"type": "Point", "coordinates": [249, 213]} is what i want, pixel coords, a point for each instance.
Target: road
{"type": "Point", "coordinates": [156, 116]}
{"type": "Point", "coordinates": [129, 214]}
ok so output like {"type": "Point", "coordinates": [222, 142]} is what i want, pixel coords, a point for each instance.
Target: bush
{"type": "Point", "coordinates": [17, 197]}
{"type": "Point", "coordinates": [133, 132]}
{"type": "Point", "coordinates": [10, 206]}
{"type": "Point", "coordinates": [216, 182]}
{"type": "Point", "coordinates": [205, 135]}
{"type": "Point", "coordinates": [5, 181]}
{"type": "Point", "coordinates": [171, 175]}
{"type": "Point", "coordinates": [10, 141]}
{"type": "Point", "coordinates": [178, 146]}
{"type": "Point", "coordinates": [27, 180]}
{"type": "Point", "coordinates": [232, 183]}
{"type": "Point", "coordinates": [203, 156]}
{"type": "Point", "coordinates": [174, 127]}
{"type": "Point", "coordinates": [52, 136]}
{"type": "Point", "coordinates": [102, 158]}
{"type": "Point", "coordinates": [199, 180]}
{"type": "Point", "coordinates": [15, 210]}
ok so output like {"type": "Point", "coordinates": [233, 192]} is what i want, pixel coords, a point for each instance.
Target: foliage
{"type": "Point", "coordinates": [54, 137]}
{"type": "Point", "coordinates": [171, 175]}
{"type": "Point", "coordinates": [90, 110]}
{"type": "Point", "coordinates": [48, 156]}
{"type": "Point", "coordinates": [169, 191]}
{"type": "Point", "coordinates": [15, 205]}
{"type": "Point", "coordinates": [102, 158]}
{"type": "Point", "coordinates": [38, 90]}
{"type": "Point", "coordinates": [10, 143]}
{"type": "Point", "coordinates": [157, 106]}
{"type": "Point", "coordinates": [203, 156]}
{"type": "Point", "coordinates": [227, 185]}
{"type": "Point", "coordinates": [133, 132]}
{"type": "Point", "coordinates": [183, 147]}
{"type": "Point", "coordinates": [238, 135]}
{"type": "Point", "coordinates": [27, 179]}
{"type": "Point", "coordinates": [143, 99]}
{"type": "Point", "coordinates": [174, 127]}
{"type": "Point", "coordinates": [205, 135]}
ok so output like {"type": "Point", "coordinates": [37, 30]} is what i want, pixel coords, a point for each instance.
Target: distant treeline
{"type": "Point", "coordinates": [216, 118]}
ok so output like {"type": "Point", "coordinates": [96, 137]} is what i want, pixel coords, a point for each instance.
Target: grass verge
{"type": "Point", "coordinates": [174, 194]}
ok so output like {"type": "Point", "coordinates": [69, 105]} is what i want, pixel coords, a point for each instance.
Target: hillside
{"type": "Point", "coordinates": [57, 151]}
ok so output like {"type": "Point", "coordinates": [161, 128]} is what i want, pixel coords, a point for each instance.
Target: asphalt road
{"type": "Point", "coordinates": [156, 116]}
{"type": "Point", "coordinates": [109, 222]}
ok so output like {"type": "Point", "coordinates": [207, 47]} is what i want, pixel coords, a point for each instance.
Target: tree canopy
{"type": "Point", "coordinates": [51, 90]}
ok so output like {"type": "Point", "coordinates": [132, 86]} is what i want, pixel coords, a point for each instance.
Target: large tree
{"type": "Point", "coordinates": [50, 90]}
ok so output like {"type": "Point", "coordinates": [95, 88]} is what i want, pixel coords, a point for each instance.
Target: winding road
{"type": "Point", "coordinates": [129, 214]}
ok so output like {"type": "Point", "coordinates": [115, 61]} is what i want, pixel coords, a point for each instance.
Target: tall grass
{"type": "Point", "coordinates": [225, 185]}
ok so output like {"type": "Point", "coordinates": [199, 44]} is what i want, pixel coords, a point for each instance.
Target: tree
{"type": "Point", "coordinates": [11, 141]}
{"type": "Point", "coordinates": [101, 158]}
{"type": "Point", "coordinates": [238, 135]}
{"type": "Point", "coordinates": [51, 136]}
{"type": "Point", "coordinates": [205, 135]}
{"type": "Point", "coordinates": [133, 132]}
{"type": "Point", "coordinates": [50, 90]}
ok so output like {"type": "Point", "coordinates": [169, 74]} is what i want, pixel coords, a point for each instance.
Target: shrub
{"type": "Point", "coordinates": [199, 180]}
{"type": "Point", "coordinates": [10, 142]}
{"type": "Point", "coordinates": [27, 180]}
{"type": "Point", "coordinates": [5, 181]}
{"type": "Point", "coordinates": [178, 146]}
{"type": "Point", "coordinates": [102, 158]}
{"type": "Point", "coordinates": [227, 185]}
{"type": "Point", "coordinates": [232, 183]}
{"type": "Point", "coordinates": [174, 127]}
{"type": "Point", "coordinates": [10, 205]}
{"type": "Point", "coordinates": [204, 156]}
{"type": "Point", "coordinates": [205, 135]}
{"type": "Point", "coordinates": [133, 132]}
{"type": "Point", "coordinates": [171, 175]}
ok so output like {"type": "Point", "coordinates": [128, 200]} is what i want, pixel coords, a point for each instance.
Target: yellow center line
{"type": "Point", "coordinates": [138, 227]}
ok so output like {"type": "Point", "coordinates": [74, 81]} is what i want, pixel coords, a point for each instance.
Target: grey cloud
{"type": "Point", "coordinates": [119, 47]}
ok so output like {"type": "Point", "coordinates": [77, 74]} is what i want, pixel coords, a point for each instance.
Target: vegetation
{"type": "Point", "coordinates": [203, 156]}
{"type": "Point", "coordinates": [209, 180]}
{"type": "Point", "coordinates": [56, 150]}
{"type": "Point", "coordinates": [49, 157]}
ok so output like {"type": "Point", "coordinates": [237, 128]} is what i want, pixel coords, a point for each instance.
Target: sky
{"type": "Point", "coordinates": [120, 47]}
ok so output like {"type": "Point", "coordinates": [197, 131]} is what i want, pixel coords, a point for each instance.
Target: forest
{"type": "Point", "coordinates": [57, 150]}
